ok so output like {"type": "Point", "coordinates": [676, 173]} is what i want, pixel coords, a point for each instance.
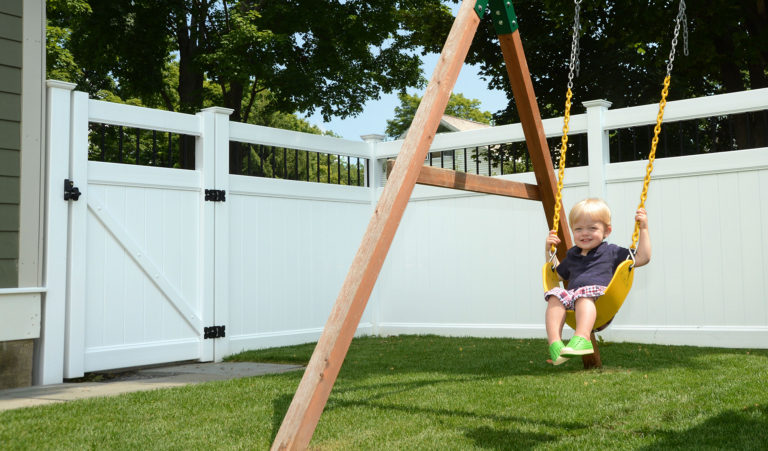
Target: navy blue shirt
{"type": "Point", "coordinates": [595, 268]}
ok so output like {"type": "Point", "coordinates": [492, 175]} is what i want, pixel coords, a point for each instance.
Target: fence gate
{"type": "Point", "coordinates": [139, 252]}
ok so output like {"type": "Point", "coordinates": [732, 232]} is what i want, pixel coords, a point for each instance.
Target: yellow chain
{"type": "Point", "coordinates": [561, 172]}
{"type": "Point", "coordinates": [651, 157]}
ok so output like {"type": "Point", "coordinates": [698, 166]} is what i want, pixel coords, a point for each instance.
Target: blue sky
{"type": "Point", "coordinates": [374, 117]}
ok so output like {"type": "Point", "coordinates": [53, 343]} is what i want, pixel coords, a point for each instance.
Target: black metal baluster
{"type": "Point", "coordinates": [348, 170]}
{"type": "Point", "coordinates": [765, 129]}
{"type": "Point", "coordinates": [634, 145]}
{"type": "Point", "coordinates": [328, 158]}
{"type": "Point", "coordinates": [154, 147]}
{"type": "Point", "coordinates": [732, 144]}
{"type": "Point", "coordinates": [248, 158]}
{"type": "Point", "coordinates": [295, 164]}
{"type": "Point", "coordinates": [465, 160]}
{"type": "Point", "coordinates": [120, 144]}
{"type": "Point", "coordinates": [490, 168]}
{"type": "Point", "coordinates": [696, 143]}
{"type": "Point", "coordinates": [138, 138]}
{"type": "Point", "coordinates": [260, 155]}
{"type": "Point", "coordinates": [477, 160]}
{"type": "Point", "coordinates": [103, 142]}
{"type": "Point", "coordinates": [182, 149]}
{"type": "Point", "coordinates": [170, 150]}
{"type": "Point", "coordinates": [272, 152]}
{"type": "Point", "coordinates": [285, 163]}
{"type": "Point", "coordinates": [358, 172]}
{"type": "Point", "coordinates": [501, 158]}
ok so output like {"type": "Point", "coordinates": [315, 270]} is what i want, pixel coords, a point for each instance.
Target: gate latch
{"type": "Point", "coordinates": [213, 332]}
{"type": "Point", "coordinates": [215, 195]}
{"type": "Point", "coordinates": [71, 192]}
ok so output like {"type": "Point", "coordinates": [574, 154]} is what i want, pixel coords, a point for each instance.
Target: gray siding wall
{"type": "Point", "coordinates": [10, 138]}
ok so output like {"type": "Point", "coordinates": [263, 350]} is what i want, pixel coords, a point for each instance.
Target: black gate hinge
{"type": "Point", "coordinates": [215, 195]}
{"type": "Point", "coordinates": [71, 192]}
{"type": "Point", "coordinates": [213, 332]}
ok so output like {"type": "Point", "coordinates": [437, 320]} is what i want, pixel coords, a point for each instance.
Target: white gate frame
{"type": "Point", "coordinates": [61, 350]}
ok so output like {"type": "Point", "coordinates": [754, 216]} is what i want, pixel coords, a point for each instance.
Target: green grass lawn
{"type": "Point", "coordinates": [428, 392]}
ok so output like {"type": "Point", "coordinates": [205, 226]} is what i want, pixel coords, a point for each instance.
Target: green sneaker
{"type": "Point", "coordinates": [554, 352]}
{"type": "Point", "coordinates": [577, 346]}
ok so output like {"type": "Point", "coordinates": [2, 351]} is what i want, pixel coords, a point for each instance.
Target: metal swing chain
{"type": "Point", "coordinates": [573, 66]}
{"type": "Point", "coordinates": [680, 19]}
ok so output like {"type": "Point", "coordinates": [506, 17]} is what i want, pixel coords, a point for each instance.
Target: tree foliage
{"type": "Point", "coordinates": [625, 48]}
{"type": "Point", "coordinates": [297, 56]}
{"type": "Point", "coordinates": [458, 106]}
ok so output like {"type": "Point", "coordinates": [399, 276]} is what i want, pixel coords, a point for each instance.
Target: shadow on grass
{"type": "Point", "coordinates": [494, 357]}
{"type": "Point", "coordinates": [442, 360]}
{"type": "Point", "coordinates": [279, 409]}
{"type": "Point", "coordinates": [489, 438]}
{"type": "Point", "coordinates": [485, 437]}
{"type": "Point", "coordinates": [742, 429]}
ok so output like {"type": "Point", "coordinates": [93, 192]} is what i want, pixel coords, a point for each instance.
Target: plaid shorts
{"type": "Point", "coordinates": [569, 297]}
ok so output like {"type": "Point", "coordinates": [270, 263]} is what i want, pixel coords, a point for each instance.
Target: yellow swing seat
{"type": "Point", "coordinates": [607, 305]}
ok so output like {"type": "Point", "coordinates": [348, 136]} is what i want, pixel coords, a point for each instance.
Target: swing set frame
{"type": "Point", "coordinates": [310, 398]}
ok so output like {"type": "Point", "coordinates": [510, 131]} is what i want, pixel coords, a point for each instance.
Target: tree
{"type": "Point", "coordinates": [307, 54]}
{"type": "Point", "coordinates": [624, 51]}
{"type": "Point", "coordinates": [458, 106]}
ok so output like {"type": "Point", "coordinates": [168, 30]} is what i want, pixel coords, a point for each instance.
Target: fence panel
{"type": "Point", "coordinates": [469, 264]}
{"type": "Point", "coordinates": [290, 246]}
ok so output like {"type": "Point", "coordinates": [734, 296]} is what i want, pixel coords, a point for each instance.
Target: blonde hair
{"type": "Point", "coordinates": [592, 208]}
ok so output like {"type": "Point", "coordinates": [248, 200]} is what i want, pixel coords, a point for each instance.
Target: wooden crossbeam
{"type": "Point", "coordinates": [447, 178]}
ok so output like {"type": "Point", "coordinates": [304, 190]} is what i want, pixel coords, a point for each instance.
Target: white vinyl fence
{"type": "Point", "coordinates": [141, 264]}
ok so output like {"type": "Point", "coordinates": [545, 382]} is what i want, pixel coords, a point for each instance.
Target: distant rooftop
{"type": "Point", "coordinates": [455, 124]}
{"type": "Point", "coordinates": [450, 123]}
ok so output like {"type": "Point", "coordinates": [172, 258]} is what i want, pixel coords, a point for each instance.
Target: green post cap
{"type": "Point", "coordinates": [503, 16]}
{"type": "Point", "coordinates": [480, 7]}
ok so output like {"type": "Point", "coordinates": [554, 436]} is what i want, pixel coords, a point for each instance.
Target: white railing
{"type": "Point", "coordinates": [273, 257]}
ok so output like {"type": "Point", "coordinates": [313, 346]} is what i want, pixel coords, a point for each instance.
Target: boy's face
{"type": "Point", "coordinates": [589, 233]}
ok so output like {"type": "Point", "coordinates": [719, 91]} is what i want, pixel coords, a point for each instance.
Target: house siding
{"type": "Point", "coordinates": [11, 35]}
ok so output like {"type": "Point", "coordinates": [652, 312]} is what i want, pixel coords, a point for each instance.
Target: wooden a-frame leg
{"type": "Point", "coordinates": [592, 360]}
{"type": "Point", "coordinates": [530, 119]}
{"type": "Point", "coordinates": [312, 394]}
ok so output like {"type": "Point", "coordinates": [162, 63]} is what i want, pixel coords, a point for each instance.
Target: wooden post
{"type": "Point", "coordinates": [530, 119]}
{"type": "Point", "coordinates": [312, 394]}
{"type": "Point", "coordinates": [592, 360]}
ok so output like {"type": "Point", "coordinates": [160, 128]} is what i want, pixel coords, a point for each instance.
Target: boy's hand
{"type": "Point", "coordinates": [642, 218]}
{"type": "Point", "coordinates": [552, 238]}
